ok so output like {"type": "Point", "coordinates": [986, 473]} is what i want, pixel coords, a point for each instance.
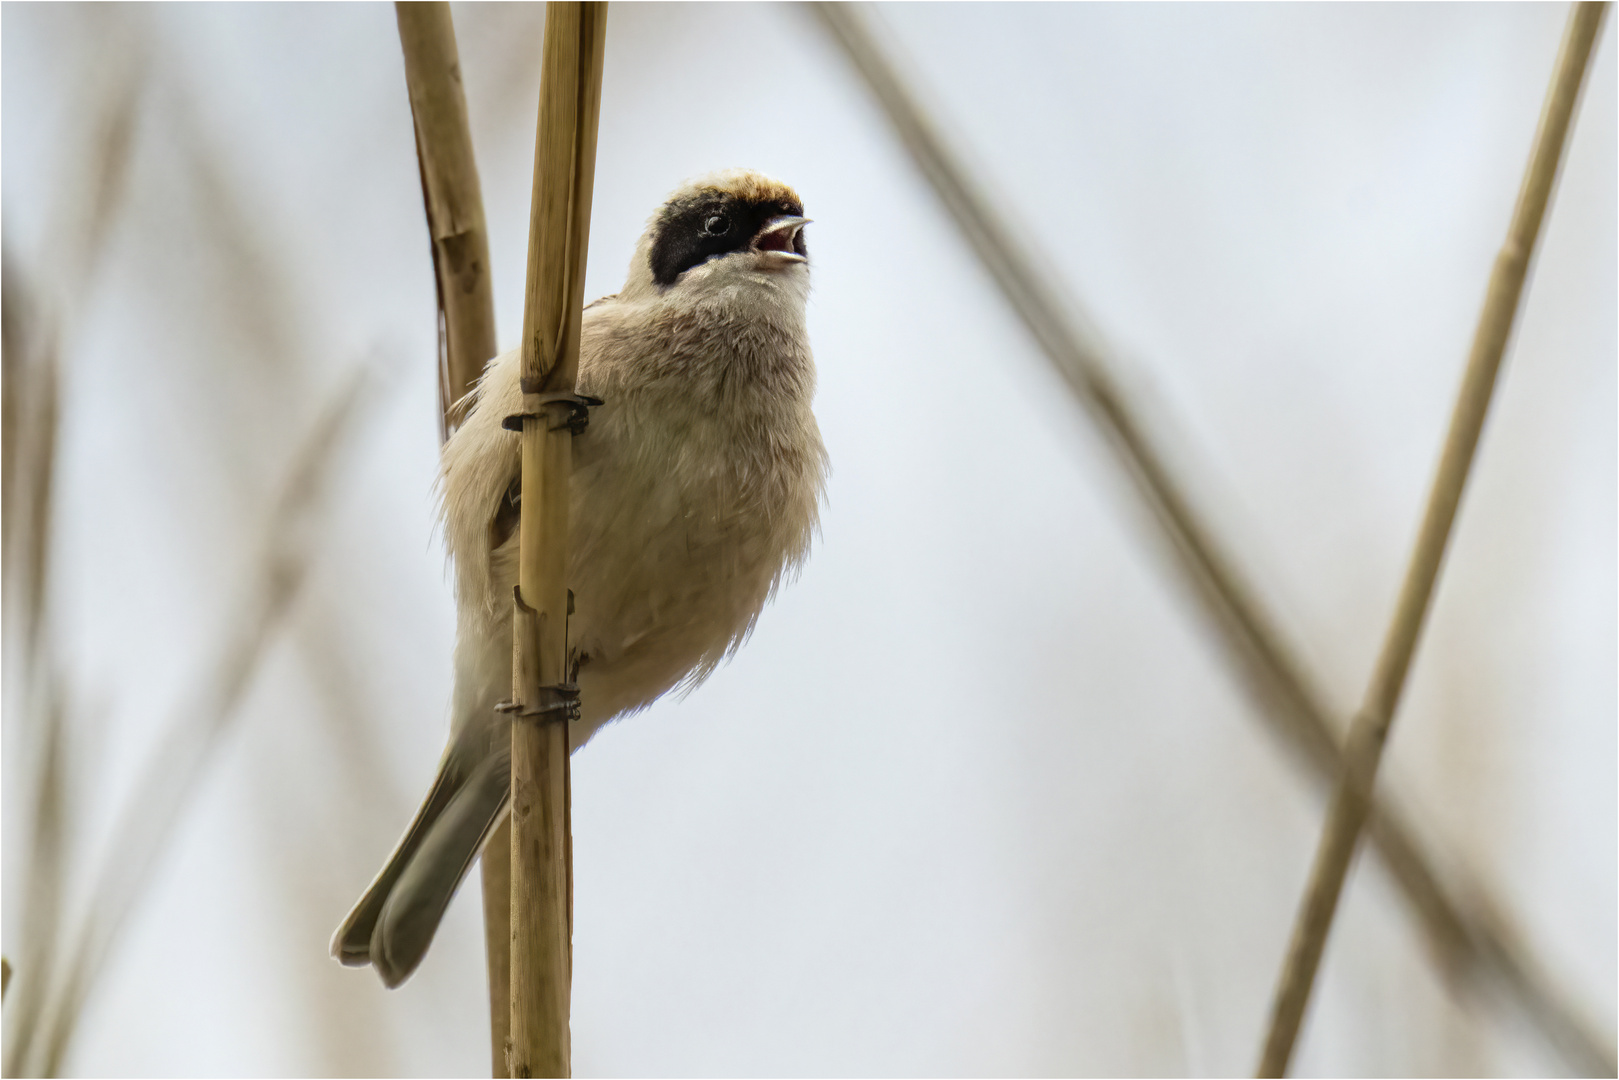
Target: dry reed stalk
{"type": "Point", "coordinates": [559, 232]}
{"type": "Point", "coordinates": [495, 870]}
{"type": "Point", "coordinates": [466, 306]}
{"type": "Point", "coordinates": [1465, 940]}
{"type": "Point", "coordinates": [453, 199]}
{"type": "Point", "coordinates": [1351, 801]}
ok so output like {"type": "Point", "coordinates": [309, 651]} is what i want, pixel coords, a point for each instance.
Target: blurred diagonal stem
{"type": "Point", "coordinates": [31, 358]}
{"type": "Point", "coordinates": [1465, 941]}
{"type": "Point", "coordinates": [466, 312]}
{"type": "Point", "coordinates": [177, 768]}
{"type": "Point", "coordinates": [1351, 801]}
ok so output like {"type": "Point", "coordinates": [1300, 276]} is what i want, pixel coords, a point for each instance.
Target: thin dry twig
{"type": "Point", "coordinates": [1289, 700]}
{"type": "Point", "coordinates": [466, 309]}
{"type": "Point", "coordinates": [559, 233]}
{"type": "Point", "coordinates": [1352, 800]}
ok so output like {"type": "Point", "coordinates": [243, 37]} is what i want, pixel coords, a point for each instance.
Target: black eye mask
{"type": "Point", "coordinates": [694, 229]}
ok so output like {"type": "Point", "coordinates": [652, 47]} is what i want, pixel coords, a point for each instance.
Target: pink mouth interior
{"type": "Point", "coordinates": [776, 240]}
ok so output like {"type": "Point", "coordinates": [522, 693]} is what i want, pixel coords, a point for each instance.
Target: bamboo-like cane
{"type": "Point", "coordinates": [453, 199]}
{"type": "Point", "coordinates": [1352, 800]}
{"type": "Point", "coordinates": [496, 868]}
{"type": "Point", "coordinates": [1260, 654]}
{"type": "Point", "coordinates": [559, 231]}
{"type": "Point", "coordinates": [466, 305]}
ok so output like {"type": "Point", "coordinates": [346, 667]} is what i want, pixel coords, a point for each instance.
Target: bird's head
{"type": "Point", "coordinates": [723, 228]}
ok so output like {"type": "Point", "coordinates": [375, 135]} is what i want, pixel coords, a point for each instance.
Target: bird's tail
{"type": "Point", "coordinates": [395, 920]}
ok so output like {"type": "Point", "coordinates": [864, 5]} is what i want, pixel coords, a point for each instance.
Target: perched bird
{"type": "Point", "coordinates": [695, 491]}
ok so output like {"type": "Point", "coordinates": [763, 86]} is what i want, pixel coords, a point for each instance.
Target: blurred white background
{"type": "Point", "coordinates": [981, 796]}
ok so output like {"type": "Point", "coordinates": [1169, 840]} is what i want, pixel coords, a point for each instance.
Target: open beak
{"type": "Point", "coordinates": [782, 236]}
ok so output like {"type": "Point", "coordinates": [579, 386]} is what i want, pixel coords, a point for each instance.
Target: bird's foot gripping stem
{"type": "Point", "coordinates": [553, 701]}
{"type": "Point", "coordinates": [556, 701]}
{"type": "Point", "coordinates": [579, 406]}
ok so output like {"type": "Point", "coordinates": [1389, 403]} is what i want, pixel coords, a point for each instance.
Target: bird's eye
{"type": "Point", "coordinates": [717, 225]}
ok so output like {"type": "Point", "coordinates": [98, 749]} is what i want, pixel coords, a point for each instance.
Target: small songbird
{"type": "Point", "coordinates": [696, 489]}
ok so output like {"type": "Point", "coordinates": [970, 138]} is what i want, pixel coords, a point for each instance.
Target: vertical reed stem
{"type": "Point", "coordinates": [1346, 816]}
{"type": "Point", "coordinates": [559, 231]}
{"type": "Point", "coordinates": [495, 865]}
{"type": "Point", "coordinates": [466, 307]}
{"type": "Point", "coordinates": [453, 199]}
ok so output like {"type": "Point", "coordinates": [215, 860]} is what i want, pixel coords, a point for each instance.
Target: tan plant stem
{"type": "Point", "coordinates": [453, 199]}
{"type": "Point", "coordinates": [496, 868]}
{"type": "Point", "coordinates": [1464, 941]}
{"type": "Point", "coordinates": [466, 310]}
{"type": "Point", "coordinates": [559, 231]}
{"type": "Point", "coordinates": [1351, 801]}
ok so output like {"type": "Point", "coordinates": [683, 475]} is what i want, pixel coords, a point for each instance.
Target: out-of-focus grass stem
{"type": "Point", "coordinates": [179, 763]}
{"type": "Point", "coordinates": [1464, 941]}
{"type": "Point", "coordinates": [1351, 802]}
